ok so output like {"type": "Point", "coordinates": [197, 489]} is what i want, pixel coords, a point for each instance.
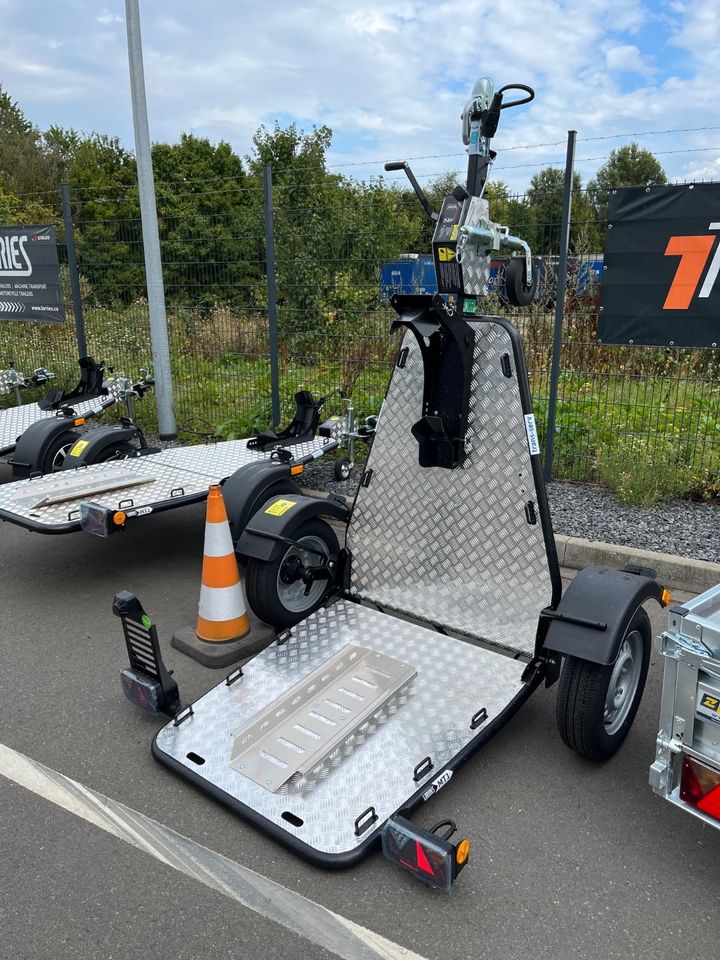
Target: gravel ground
{"type": "Point", "coordinates": [578, 510]}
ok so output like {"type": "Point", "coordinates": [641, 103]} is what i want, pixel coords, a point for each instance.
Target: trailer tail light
{"type": "Point", "coordinates": [96, 519]}
{"type": "Point", "coordinates": [700, 787]}
{"type": "Point", "coordinates": [141, 691]}
{"type": "Point", "coordinates": [428, 855]}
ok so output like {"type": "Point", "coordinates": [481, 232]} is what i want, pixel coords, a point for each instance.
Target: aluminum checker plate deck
{"type": "Point", "coordinates": [15, 420]}
{"type": "Point", "coordinates": [179, 474]}
{"type": "Point", "coordinates": [455, 546]}
{"type": "Point", "coordinates": [454, 680]}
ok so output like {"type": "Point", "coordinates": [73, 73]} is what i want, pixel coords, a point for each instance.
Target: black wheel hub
{"type": "Point", "coordinates": [292, 570]}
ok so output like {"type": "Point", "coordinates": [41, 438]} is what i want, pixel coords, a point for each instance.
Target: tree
{"type": "Point", "coordinates": [628, 166]}
{"type": "Point", "coordinates": [28, 163]}
{"type": "Point", "coordinates": [211, 247]}
{"type": "Point", "coordinates": [331, 234]}
{"type": "Point", "coordinates": [545, 202]}
{"type": "Point", "coordinates": [102, 177]}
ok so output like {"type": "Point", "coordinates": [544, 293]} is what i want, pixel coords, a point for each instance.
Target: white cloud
{"type": "Point", "coordinates": [107, 17]}
{"type": "Point", "coordinates": [390, 78]}
{"type": "Point", "coordinates": [626, 58]}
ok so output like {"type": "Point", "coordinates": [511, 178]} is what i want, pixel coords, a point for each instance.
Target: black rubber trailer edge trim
{"type": "Point", "coordinates": [535, 459]}
{"type": "Point", "coordinates": [341, 861]}
{"type": "Point", "coordinates": [471, 748]}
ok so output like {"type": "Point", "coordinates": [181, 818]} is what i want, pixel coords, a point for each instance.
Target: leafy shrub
{"type": "Point", "coordinates": [643, 471]}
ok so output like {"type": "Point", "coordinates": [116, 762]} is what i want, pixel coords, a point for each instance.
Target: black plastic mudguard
{"type": "Point", "coordinates": [595, 611]}
{"type": "Point", "coordinates": [33, 442]}
{"type": "Point", "coordinates": [249, 487]}
{"type": "Point", "coordinates": [95, 443]}
{"type": "Point", "coordinates": [277, 520]}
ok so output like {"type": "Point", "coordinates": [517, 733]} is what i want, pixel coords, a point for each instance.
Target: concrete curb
{"type": "Point", "coordinates": [674, 572]}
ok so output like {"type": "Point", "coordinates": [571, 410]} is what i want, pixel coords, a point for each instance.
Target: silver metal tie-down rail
{"type": "Point", "coordinates": [319, 720]}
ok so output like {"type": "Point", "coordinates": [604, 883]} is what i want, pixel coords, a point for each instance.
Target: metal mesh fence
{"type": "Point", "coordinates": [657, 408]}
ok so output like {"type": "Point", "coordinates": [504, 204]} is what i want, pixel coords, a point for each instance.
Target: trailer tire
{"type": "Point", "coordinates": [343, 468]}
{"type": "Point", "coordinates": [57, 450]}
{"type": "Point", "coordinates": [590, 722]}
{"type": "Point", "coordinates": [119, 452]}
{"type": "Point", "coordinates": [517, 291]}
{"type": "Point", "coordinates": [280, 601]}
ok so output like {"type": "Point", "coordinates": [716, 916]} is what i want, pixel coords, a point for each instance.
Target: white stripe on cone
{"type": "Point", "coordinates": [221, 603]}
{"type": "Point", "coordinates": [218, 540]}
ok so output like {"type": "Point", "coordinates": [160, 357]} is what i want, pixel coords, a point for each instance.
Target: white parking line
{"type": "Point", "coordinates": [303, 917]}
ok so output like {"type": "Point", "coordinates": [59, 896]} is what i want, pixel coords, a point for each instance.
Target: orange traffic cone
{"type": "Point", "coordinates": [222, 615]}
{"type": "Point", "coordinates": [223, 624]}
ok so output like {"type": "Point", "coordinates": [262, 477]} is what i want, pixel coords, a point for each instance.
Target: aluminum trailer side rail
{"type": "Point", "coordinates": [14, 421]}
{"type": "Point", "coordinates": [139, 486]}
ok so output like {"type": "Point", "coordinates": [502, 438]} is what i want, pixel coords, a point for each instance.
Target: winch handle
{"type": "Point", "coordinates": [419, 192]}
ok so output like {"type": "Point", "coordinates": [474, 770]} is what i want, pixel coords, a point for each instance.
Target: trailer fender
{"type": "Point", "coordinates": [276, 521]}
{"type": "Point", "coordinates": [96, 443]}
{"type": "Point", "coordinates": [246, 490]}
{"type": "Point", "coordinates": [33, 443]}
{"type": "Point", "coordinates": [595, 612]}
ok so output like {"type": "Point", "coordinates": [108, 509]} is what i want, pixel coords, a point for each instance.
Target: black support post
{"type": "Point", "coordinates": [73, 269]}
{"type": "Point", "coordinates": [271, 292]}
{"type": "Point", "coordinates": [560, 303]}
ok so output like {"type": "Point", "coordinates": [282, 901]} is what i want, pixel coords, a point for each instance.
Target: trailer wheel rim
{"type": "Point", "coordinates": [624, 681]}
{"type": "Point", "coordinates": [292, 594]}
{"type": "Point", "coordinates": [60, 455]}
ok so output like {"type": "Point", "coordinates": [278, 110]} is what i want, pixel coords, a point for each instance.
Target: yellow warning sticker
{"type": "Point", "coordinates": [454, 232]}
{"type": "Point", "coordinates": [280, 507]}
{"type": "Point", "coordinates": [446, 254]}
{"type": "Point", "coordinates": [78, 448]}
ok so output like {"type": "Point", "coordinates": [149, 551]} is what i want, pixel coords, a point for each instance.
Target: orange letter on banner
{"type": "Point", "coordinates": [693, 253]}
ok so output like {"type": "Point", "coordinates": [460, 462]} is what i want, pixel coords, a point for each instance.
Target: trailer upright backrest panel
{"type": "Point", "coordinates": [463, 548]}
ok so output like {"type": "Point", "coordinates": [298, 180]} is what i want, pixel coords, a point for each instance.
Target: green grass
{"type": "Point", "coordinates": [645, 423]}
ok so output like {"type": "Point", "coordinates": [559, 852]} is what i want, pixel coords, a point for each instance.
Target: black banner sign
{"type": "Point", "coordinates": [662, 260]}
{"type": "Point", "coordinates": [29, 275]}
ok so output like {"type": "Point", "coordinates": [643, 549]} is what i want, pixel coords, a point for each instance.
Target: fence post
{"type": "Point", "coordinates": [271, 293]}
{"type": "Point", "coordinates": [560, 303]}
{"type": "Point", "coordinates": [151, 237]}
{"type": "Point", "coordinates": [73, 270]}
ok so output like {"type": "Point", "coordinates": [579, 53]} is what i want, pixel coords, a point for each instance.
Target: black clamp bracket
{"type": "Point", "coordinates": [447, 344]}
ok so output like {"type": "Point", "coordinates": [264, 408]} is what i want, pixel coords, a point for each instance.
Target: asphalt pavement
{"type": "Point", "coordinates": [570, 859]}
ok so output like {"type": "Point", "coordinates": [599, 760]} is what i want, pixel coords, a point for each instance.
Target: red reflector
{"type": "Point", "coordinates": [700, 787]}
{"type": "Point", "coordinates": [422, 861]}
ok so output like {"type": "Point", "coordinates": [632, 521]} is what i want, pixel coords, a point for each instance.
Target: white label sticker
{"type": "Point", "coordinates": [140, 512]}
{"type": "Point", "coordinates": [532, 434]}
{"type": "Point", "coordinates": [438, 784]}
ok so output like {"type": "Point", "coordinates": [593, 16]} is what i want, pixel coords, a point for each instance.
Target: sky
{"type": "Point", "coordinates": [389, 78]}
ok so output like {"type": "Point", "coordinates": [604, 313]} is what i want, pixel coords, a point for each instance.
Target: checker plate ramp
{"type": "Point", "coordinates": [318, 719]}
{"type": "Point", "coordinates": [455, 547]}
{"type": "Point", "coordinates": [16, 420]}
{"type": "Point", "coordinates": [173, 474]}
{"type": "Point", "coordinates": [454, 680]}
